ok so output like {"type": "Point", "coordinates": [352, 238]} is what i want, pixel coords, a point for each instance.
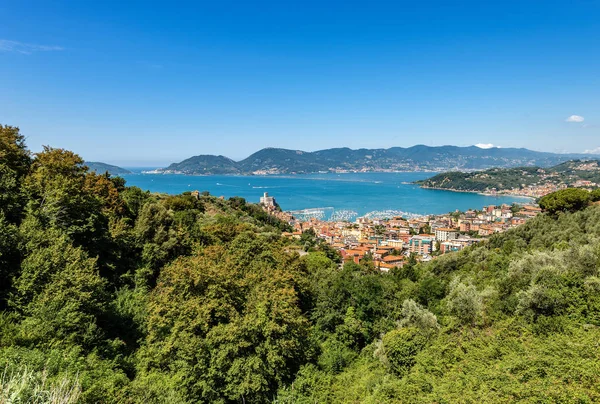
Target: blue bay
{"type": "Point", "coordinates": [362, 193]}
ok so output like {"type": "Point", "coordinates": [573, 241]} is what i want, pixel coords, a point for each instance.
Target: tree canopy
{"type": "Point", "coordinates": [111, 294]}
{"type": "Point", "coordinates": [566, 200]}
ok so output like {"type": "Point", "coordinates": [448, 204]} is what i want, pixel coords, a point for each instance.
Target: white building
{"type": "Point", "coordinates": [445, 234]}
{"type": "Point", "coordinates": [397, 244]}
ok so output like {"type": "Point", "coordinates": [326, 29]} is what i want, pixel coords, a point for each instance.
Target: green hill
{"type": "Point", "coordinates": [102, 168]}
{"type": "Point", "coordinates": [501, 179]}
{"type": "Point", "coordinates": [282, 161]}
{"type": "Point", "coordinates": [205, 164]}
{"type": "Point", "coordinates": [111, 294]}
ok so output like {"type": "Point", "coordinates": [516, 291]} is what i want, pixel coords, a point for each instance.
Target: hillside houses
{"type": "Point", "coordinates": [390, 242]}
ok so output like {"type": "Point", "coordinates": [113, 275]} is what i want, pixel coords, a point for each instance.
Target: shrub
{"type": "Point", "coordinates": [417, 316]}
{"type": "Point", "coordinates": [464, 302]}
{"type": "Point", "coordinates": [335, 356]}
{"type": "Point", "coordinates": [400, 347]}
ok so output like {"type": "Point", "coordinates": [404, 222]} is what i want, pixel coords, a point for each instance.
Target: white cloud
{"type": "Point", "coordinates": [485, 145]}
{"type": "Point", "coordinates": [593, 151]}
{"type": "Point", "coordinates": [25, 48]}
{"type": "Point", "coordinates": [575, 118]}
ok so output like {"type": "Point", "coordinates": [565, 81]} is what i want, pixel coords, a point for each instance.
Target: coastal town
{"type": "Point", "coordinates": [532, 182]}
{"type": "Point", "coordinates": [394, 241]}
{"type": "Point", "coordinates": [545, 188]}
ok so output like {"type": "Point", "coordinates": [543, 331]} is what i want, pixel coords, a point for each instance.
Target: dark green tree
{"type": "Point", "coordinates": [15, 161]}
{"type": "Point", "coordinates": [59, 291]}
{"type": "Point", "coordinates": [566, 200]}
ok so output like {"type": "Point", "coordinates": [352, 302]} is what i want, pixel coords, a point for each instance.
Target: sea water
{"type": "Point", "coordinates": [343, 196]}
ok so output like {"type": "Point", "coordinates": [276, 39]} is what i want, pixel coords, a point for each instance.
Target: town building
{"type": "Point", "coordinates": [450, 246]}
{"type": "Point", "coordinates": [445, 234]}
{"type": "Point", "coordinates": [397, 244]}
{"type": "Point", "coordinates": [421, 245]}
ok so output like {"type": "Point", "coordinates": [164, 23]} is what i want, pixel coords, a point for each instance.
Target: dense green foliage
{"type": "Point", "coordinates": [500, 179]}
{"type": "Point", "coordinates": [113, 294]}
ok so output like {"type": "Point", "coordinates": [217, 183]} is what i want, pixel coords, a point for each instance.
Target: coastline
{"type": "Point", "coordinates": [155, 172]}
{"type": "Point", "coordinates": [478, 192]}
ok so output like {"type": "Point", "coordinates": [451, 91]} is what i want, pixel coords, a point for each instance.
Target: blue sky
{"type": "Point", "coordinates": [149, 83]}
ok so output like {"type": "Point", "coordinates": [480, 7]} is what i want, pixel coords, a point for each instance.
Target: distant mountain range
{"type": "Point", "coordinates": [101, 168]}
{"type": "Point", "coordinates": [415, 158]}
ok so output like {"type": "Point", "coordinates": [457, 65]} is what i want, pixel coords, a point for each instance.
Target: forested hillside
{"type": "Point", "coordinates": [569, 173]}
{"type": "Point", "coordinates": [111, 294]}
